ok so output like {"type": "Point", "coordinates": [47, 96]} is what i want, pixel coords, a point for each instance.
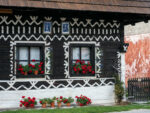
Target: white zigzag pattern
{"type": "Point", "coordinates": [99, 24]}
{"type": "Point", "coordinates": [18, 20]}
{"type": "Point", "coordinates": [66, 38]}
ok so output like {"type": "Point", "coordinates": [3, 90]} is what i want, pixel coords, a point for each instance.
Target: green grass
{"type": "Point", "coordinates": [90, 109]}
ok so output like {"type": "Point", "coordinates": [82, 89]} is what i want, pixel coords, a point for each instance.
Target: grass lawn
{"type": "Point", "coordinates": [88, 109]}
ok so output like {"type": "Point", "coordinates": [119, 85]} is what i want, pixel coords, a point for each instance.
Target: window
{"type": "Point", "coordinates": [82, 60]}
{"type": "Point", "coordinates": [29, 60]}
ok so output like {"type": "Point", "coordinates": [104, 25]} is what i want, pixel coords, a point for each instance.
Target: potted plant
{"type": "Point", "coordinates": [80, 67]}
{"type": "Point", "coordinates": [37, 68]}
{"type": "Point", "coordinates": [83, 100]}
{"type": "Point", "coordinates": [23, 69]}
{"type": "Point", "coordinates": [28, 102]}
{"type": "Point", "coordinates": [59, 100]}
{"type": "Point", "coordinates": [51, 101]}
{"type": "Point", "coordinates": [43, 102]}
{"type": "Point", "coordinates": [68, 101]}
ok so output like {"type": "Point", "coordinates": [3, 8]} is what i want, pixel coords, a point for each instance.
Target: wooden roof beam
{"type": "Point", "coordinates": [6, 11]}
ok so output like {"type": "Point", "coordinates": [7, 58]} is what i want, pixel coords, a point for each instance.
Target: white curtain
{"type": "Point", "coordinates": [23, 55]}
{"type": "Point", "coordinates": [35, 54]}
{"type": "Point", "coordinates": [85, 53]}
{"type": "Point", "coordinates": [76, 54]}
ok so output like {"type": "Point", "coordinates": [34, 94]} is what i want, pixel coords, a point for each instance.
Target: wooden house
{"type": "Point", "coordinates": [75, 46]}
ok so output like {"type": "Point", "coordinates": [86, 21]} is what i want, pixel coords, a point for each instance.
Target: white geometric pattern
{"type": "Point", "coordinates": [66, 38]}
{"type": "Point", "coordinates": [69, 83]}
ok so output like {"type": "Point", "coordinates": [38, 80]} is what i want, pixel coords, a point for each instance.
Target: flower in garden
{"type": "Point", "coordinates": [23, 96]}
{"type": "Point", "coordinates": [61, 97]}
{"type": "Point", "coordinates": [20, 105]}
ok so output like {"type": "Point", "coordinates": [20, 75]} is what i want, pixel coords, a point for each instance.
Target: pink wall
{"type": "Point", "coordinates": [138, 56]}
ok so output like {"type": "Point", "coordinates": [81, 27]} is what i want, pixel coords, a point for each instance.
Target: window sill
{"type": "Point", "coordinates": [30, 76]}
{"type": "Point", "coordinates": [83, 77]}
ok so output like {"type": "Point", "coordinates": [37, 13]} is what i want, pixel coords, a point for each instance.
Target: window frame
{"type": "Point", "coordinates": [42, 58]}
{"type": "Point", "coordinates": [92, 58]}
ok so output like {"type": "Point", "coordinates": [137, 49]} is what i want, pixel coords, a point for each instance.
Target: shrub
{"type": "Point", "coordinates": [119, 89]}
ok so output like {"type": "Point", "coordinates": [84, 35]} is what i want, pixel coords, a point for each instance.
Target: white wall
{"type": "Point", "coordinates": [98, 95]}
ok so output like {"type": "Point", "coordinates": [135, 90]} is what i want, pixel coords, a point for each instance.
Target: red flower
{"type": "Point", "coordinates": [23, 96]}
{"type": "Point", "coordinates": [22, 73]}
{"type": "Point", "coordinates": [40, 102]}
{"type": "Point", "coordinates": [31, 105]}
{"type": "Point", "coordinates": [61, 97]}
{"type": "Point", "coordinates": [30, 71]}
{"type": "Point", "coordinates": [33, 60]}
{"type": "Point", "coordinates": [20, 105]}
{"type": "Point", "coordinates": [29, 98]}
{"type": "Point", "coordinates": [40, 69]}
{"type": "Point", "coordinates": [40, 66]}
{"type": "Point", "coordinates": [30, 65]}
{"type": "Point", "coordinates": [20, 66]}
{"type": "Point", "coordinates": [78, 61]}
{"type": "Point", "coordinates": [41, 63]}
{"type": "Point", "coordinates": [84, 72]}
{"type": "Point", "coordinates": [76, 97]}
{"type": "Point", "coordinates": [42, 72]}
{"type": "Point", "coordinates": [33, 66]}
{"type": "Point", "coordinates": [93, 72]}
{"type": "Point", "coordinates": [75, 69]}
{"type": "Point", "coordinates": [90, 70]}
{"type": "Point", "coordinates": [83, 62]}
{"type": "Point", "coordinates": [33, 98]}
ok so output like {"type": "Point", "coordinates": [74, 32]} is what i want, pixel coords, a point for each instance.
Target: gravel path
{"type": "Point", "coordinates": [135, 111]}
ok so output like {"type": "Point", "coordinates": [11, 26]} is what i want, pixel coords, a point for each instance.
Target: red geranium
{"type": "Point", "coordinates": [83, 68]}
{"type": "Point", "coordinates": [83, 100]}
{"type": "Point", "coordinates": [42, 72]}
{"type": "Point", "coordinates": [41, 63]}
{"type": "Point", "coordinates": [28, 102]}
{"type": "Point", "coordinates": [33, 60]}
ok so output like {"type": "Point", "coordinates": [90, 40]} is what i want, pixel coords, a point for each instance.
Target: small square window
{"type": "Point", "coordinates": [29, 61]}
{"type": "Point", "coordinates": [82, 60]}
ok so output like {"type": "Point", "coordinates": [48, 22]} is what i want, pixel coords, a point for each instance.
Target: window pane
{"type": "Point", "coordinates": [85, 53]}
{"type": "Point", "coordinates": [33, 63]}
{"type": "Point", "coordinates": [23, 63]}
{"type": "Point", "coordinates": [35, 53]}
{"type": "Point", "coordinates": [23, 53]}
{"type": "Point", "coordinates": [75, 53]}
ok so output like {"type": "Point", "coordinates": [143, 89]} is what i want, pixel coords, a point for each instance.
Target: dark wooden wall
{"type": "Point", "coordinates": [109, 47]}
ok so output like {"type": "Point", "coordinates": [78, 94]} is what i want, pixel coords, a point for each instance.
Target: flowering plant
{"type": "Point", "coordinates": [29, 69]}
{"type": "Point", "coordinates": [83, 100]}
{"type": "Point", "coordinates": [68, 100]}
{"type": "Point", "coordinates": [51, 100]}
{"type": "Point", "coordinates": [60, 99]}
{"type": "Point", "coordinates": [43, 101]}
{"type": "Point", "coordinates": [83, 68]}
{"type": "Point", "coordinates": [28, 102]}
